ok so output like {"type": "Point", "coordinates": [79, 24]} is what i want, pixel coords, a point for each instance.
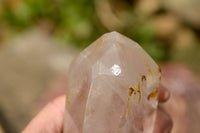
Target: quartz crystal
{"type": "Point", "coordinates": [112, 88]}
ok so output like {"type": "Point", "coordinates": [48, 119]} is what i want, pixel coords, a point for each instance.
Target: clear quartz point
{"type": "Point", "coordinates": [112, 88]}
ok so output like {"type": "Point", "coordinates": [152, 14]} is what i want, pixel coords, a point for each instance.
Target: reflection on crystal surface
{"type": "Point", "coordinates": [112, 88]}
{"type": "Point", "coordinates": [116, 70]}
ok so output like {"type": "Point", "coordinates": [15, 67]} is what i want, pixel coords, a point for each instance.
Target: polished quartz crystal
{"type": "Point", "coordinates": [112, 88]}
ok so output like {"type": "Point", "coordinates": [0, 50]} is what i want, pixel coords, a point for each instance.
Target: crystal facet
{"type": "Point", "coordinates": [112, 88]}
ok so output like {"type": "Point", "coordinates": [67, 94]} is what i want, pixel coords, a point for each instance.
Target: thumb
{"type": "Point", "coordinates": [50, 119]}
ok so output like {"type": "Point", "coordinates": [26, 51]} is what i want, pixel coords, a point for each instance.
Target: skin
{"type": "Point", "coordinates": [51, 118]}
{"type": "Point", "coordinates": [184, 103]}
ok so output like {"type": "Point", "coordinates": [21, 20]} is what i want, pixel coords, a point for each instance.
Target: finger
{"type": "Point", "coordinates": [163, 122]}
{"type": "Point", "coordinates": [163, 94]}
{"type": "Point", "coordinates": [70, 126]}
{"type": "Point", "coordinates": [50, 119]}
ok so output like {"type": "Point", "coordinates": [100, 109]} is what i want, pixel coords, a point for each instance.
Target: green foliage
{"type": "Point", "coordinates": [75, 21]}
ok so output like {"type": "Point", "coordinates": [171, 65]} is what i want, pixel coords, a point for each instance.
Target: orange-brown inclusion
{"type": "Point", "coordinates": [153, 94]}
{"type": "Point", "coordinates": [143, 78]}
{"type": "Point", "coordinates": [138, 90]}
{"type": "Point", "coordinates": [149, 70]}
{"type": "Point", "coordinates": [130, 92]}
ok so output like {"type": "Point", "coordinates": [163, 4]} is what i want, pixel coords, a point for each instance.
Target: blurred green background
{"type": "Point", "coordinates": [159, 28]}
{"type": "Point", "coordinates": [168, 30]}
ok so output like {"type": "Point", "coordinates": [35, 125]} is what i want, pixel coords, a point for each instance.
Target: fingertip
{"type": "Point", "coordinates": [164, 122]}
{"type": "Point", "coordinates": [164, 94]}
